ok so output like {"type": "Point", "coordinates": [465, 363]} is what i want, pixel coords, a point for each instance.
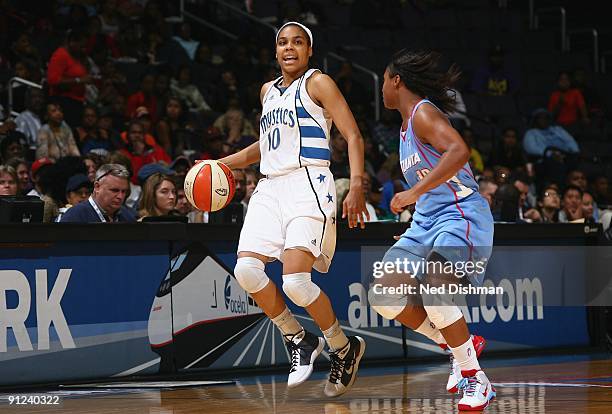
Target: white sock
{"type": "Point", "coordinates": [465, 355]}
{"type": "Point", "coordinates": [287, 323]}
{"type": "Point", "coordinates": [428, 329]}
{"type": "Point", "coordinates": [335, 337]}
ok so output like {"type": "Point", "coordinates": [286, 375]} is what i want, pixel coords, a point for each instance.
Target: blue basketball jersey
{"type": "Point", "coordinates": [453, 219]}
{"type": "Point", "coordinates": [418, 159]}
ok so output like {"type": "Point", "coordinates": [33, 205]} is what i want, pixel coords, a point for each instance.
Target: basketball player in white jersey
{"type": "Point", "coordinates": [291, 214]}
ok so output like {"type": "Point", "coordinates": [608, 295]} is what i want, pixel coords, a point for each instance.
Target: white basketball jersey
{"type": "Point", "coordinates": [294, 131]}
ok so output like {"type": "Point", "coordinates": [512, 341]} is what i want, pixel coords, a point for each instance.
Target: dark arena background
{"type": "Point", "coordinates": [147, 317]}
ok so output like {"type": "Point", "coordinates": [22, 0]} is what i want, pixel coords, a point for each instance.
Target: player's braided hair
{"type": "Point", "coordinates": [420, 73]}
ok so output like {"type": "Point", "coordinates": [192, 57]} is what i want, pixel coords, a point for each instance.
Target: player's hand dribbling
{"type": "Point", "coordinates": [402, 200]}
{"type": "Point", "coordinates": [354, 207]}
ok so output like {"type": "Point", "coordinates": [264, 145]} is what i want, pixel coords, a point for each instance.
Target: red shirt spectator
{"type": "Point", "coordinates": [63, 66]}
{"type": "Point", "coordinates": [568, 111]}
{"type": "Point", "coordinates": [144, 97]}
{"type": "Point", "coordinates": [139, 152]}
{"type": "Point", "coordinates": [567, 103]}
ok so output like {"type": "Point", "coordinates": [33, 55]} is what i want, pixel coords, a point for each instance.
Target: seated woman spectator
{"type": "Point", "coordinates": [589, 208]}
{"type": "Point", "coordinates": [89, 135]}
{"type": "Point", "coordinates": [566, 104]}
{"type": "Point", "coordinates": [184, 89]}
{"type": "Point", "coordinates": [8, 181]}
{"type": "Point", "coordinates": [172, 126]}
{"type": "Point", "coordinates": [55, 139]}
{"type": "Point", "coordinates": [238, 130]}
{"type": "Point", "coordinates": [23, 174]}
{"type": "Point", "coordinates": [139, 152]}
{"type": "Point", "coordinates": [158, 196]}
{"type": "Point", "coordinates": [572, 205]}
{"type": "Point", "coordinates": [543, 136]}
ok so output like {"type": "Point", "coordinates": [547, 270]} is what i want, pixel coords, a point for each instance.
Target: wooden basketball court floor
{"type": "Point", "coordinates": [553, 384]}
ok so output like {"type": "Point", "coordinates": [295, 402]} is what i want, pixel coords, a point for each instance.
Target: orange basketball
{"type": "Point", "coordinates": [209, 185]}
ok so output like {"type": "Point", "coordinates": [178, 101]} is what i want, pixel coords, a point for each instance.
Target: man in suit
{"type": "Point", "coordinates": [105, 205]}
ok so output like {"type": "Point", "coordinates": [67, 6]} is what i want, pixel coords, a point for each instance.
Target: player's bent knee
{"type": "Point", "coordinates": [443, 316]}
{"type": "Point", "coordinates": [388, 311]}
{"type": "Point", "coordinates": [250, 274]}
{"type": "Point", "coordinates": [385, 297]}
{"type": "Point", "coordinates": [300, 289]}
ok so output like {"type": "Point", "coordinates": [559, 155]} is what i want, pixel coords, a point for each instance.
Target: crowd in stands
{"type": "Point", "coordinates": [101, 141]}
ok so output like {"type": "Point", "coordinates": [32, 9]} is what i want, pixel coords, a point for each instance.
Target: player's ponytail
{"type": "Point", "coordinates": [420, 73]}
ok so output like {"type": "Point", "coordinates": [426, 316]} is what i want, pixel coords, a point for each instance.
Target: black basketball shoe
{"type": "Point", "coordinates": [344, 366]}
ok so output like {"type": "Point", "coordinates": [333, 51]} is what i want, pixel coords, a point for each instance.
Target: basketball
{"type": "Point", "coordinates": [209, 185]}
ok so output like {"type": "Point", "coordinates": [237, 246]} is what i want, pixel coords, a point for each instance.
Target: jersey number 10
{"type": "Point", "coordinates": [273, 139]}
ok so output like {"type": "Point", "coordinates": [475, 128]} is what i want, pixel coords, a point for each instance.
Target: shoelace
{"type": "Point", "coordinates": [337, 367]}
{"type": "Point", "coordinates": [470, 386]}
{"type": "Point", "coordinates": [338, 363]}
{"type": "Point", "coordinates": [294, 349]}
{"type": "Point", "coordinates": [295, 355]}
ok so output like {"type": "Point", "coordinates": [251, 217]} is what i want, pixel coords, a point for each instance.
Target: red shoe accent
{"type": "Point", "coordinates": [453, 390]}
{"type": "Point", "coordinates": [469, 373]}
{"type": "Point", "coordinates": [479, 344]}
{"type": "Point", "coordinates": [464, 407]}
{"type": "Point", "coordinates": [443, 346]}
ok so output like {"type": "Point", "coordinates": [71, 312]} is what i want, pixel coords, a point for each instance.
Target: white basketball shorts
{"type": "Point", "coordinates": [295, 210]}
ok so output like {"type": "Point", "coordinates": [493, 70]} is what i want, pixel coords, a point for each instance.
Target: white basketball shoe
{"type": "Point", "coordinates": [477, 391]}
{"type": "Point", "coordinates": [304, 348]}
{"type": "Point", "coordinates": [455, 380]}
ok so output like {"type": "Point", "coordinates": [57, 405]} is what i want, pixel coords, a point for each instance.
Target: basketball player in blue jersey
{"type": "Point", "coordinates": [452, 223]}
{"type": "Point", "coordinates": [292, 212]}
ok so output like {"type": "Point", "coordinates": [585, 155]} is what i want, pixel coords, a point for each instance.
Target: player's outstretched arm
{"type": "Point", "coordinates": [323, 90]}
{"type": "Point", "coordinates": [431, 127]}
{"type": "Point", "coordinates": [243, 158]}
